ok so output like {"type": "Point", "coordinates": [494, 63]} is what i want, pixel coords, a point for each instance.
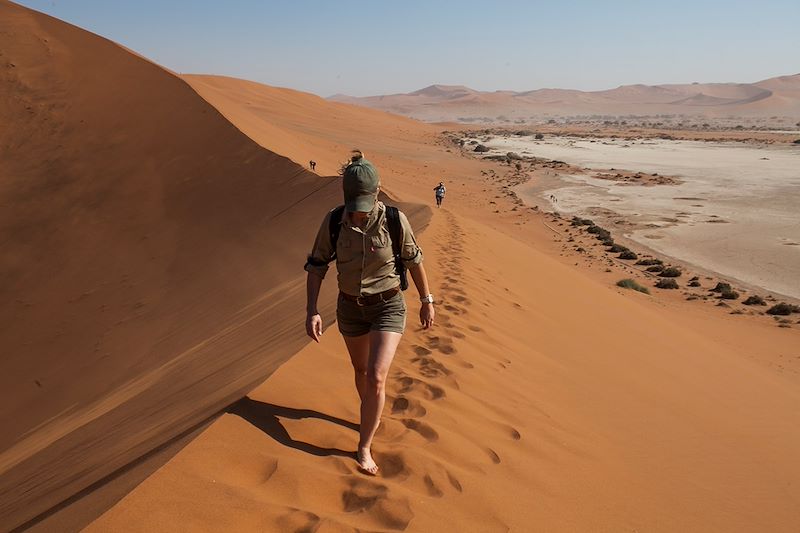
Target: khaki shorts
{"type": "Point", "coordinates": [355, 320]}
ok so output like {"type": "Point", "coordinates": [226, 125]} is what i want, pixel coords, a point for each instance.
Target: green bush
{"type": "Point", "coordinates": [649, 262]}
{"type": "Point", "coordinates": [618, 248]}
{"type": "Point", "coordinates": [783, 309]}
{"type": "Point", "coordinates": [722, 287]}
{"type": "Point", "coordinates": [729, 295]}
{"type": "Point", "coordinates": [671, 272]}
{"type": "Point", "coordinates": [655, 268]}
{"type": "Point", "coordinates": [754, 300]}
{"type": "Point", "coordinates": [694, 283]}
{"type": "Point", "coordinates": [627, 254]}
{"type": "Point", "coordinates": [631, 284]}
{"type": "Point", "coordinates": [667, 283]}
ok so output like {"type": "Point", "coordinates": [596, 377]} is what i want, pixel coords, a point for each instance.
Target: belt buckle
{"type": "Point", "coordinates": [360, 301]}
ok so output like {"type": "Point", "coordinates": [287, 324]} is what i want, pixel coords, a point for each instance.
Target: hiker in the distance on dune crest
{"type": "Point", "coordinates": [440, 190]}
{"type": "Point", "coordinates": [372, 244]}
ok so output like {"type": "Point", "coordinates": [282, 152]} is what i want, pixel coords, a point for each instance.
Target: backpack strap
{"type": "Point", "coordinates": [396, 234]}
{"type": "Point", "coordinates": [334, 226]}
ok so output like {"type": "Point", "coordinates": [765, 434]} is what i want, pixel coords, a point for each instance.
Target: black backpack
{"type": "Point", "coordinates": [395, 232]}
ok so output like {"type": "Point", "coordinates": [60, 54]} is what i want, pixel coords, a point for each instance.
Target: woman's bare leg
{"type": "Point", "coordinates": [358, 347]}
{"type": "Point", "coordinates": [382, 346]}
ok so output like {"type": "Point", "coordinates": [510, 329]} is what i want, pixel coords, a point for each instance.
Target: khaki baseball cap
{"type": "Point", "coordinates": [360, 184]}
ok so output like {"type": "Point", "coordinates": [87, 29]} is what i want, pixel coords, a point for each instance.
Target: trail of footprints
{"type": "Point", "coordinates": [408, 394]}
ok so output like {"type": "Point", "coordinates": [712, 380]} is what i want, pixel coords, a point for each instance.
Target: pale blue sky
{"type": "Point", "coordinates": [365, 48]}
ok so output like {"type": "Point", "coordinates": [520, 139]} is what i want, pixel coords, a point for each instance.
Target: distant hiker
{"type": "Point", "coordinates": [312, 164]}
{"type": "Point", "coordinates": [372, 244]}
{"type": "Point", "coordinates": [440, 190]}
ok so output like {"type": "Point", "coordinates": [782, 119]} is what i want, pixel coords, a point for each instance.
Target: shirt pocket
{"type": "Point", "coordinates": [346, 249]}
{"type": "Point", "coordinates": [381, 247]}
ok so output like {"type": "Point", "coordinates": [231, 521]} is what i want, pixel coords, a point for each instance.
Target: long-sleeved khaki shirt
{"type": "Point", "coordinates": [364, 257]}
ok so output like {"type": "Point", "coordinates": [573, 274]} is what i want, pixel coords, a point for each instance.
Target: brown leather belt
{"type": "Point", "coordinates": [371, 299]}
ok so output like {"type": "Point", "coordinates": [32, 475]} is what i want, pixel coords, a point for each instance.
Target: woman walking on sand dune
{"type": "Point", "coordinates": [371, 310]}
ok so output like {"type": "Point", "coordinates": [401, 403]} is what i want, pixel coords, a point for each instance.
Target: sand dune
{"type": "Point", "coordinates": [165, 262]}
{"type": "Point", "coordinates": [147, 277]}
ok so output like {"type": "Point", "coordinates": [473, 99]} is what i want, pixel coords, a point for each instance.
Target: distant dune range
{"type": "Point", "coordinates": [778, 96]}
{"type": "Point", "coordinates": [151, 263]}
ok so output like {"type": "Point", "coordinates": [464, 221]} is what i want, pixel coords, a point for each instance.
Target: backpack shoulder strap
{"type": "Point", "coordinates": [334, 225]}
{"type": "Point", "coordinates": [395, 230]}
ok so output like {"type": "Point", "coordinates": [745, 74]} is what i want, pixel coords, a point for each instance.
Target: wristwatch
{"type": "Point", "coordinates": [427, 299]}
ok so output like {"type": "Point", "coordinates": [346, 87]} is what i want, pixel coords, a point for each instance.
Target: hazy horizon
{"type": "Point", "coordinates": [360, 49]}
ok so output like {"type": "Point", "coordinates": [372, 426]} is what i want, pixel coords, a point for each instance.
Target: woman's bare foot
{"type": "Point", "coordinates": [365, 462]}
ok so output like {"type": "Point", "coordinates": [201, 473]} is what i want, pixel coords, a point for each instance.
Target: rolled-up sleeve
{"type": "Point", "coordinates": [410, 252]}
{"type": "Point", "coordinates": [322, 252]}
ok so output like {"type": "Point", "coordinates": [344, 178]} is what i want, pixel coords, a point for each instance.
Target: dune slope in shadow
{"type": "Point", "coordinates": [151, 259]}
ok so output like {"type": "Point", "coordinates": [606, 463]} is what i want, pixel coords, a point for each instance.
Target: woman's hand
{"type": "Point", "coordinates": [314, 326]}
{"type": "Point", "coordinates": [426, 314]}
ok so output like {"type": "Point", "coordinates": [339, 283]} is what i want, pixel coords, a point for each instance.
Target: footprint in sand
{"type": "Point", "coordinates": [433, 490]}
{"type": "Point", "coordinates": [492, 455]}
{"type": "Point", "coordinates": [421, 350]}
{"type": "Point", "coordinates": [409, 384]}
{"type": "Point", "coordinates": [426, 431]}
{"type": "Point", "coordinates": [368, 497]}
{"type": "Point", "coordinates": [456, 484]}
{"type": "Point", "coordinates": [408, 407]}
{"type": "Point", "coordinates": [393, 466]}
{"type": "Point", "coordinates": [430, 368]}
{"type": "Point", "coordinates": [299, 521]}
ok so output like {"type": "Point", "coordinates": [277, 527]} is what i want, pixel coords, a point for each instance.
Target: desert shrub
{"type": "Point", "coordinates": [655, 268]}
{"type": "Point", "coordinates": [618, 248]}
{"type": "Point", "coordinates": [631, 284]}
{"type": "Point", "coordinates": [729, 295]}
{"type": "Point", "coordinates": [539, 136]}
{"type": "Point", "coordinates": [594, 229]}
{"type": "Point", "coordinates": [649, 262]}
{"type": "Point", "coordinates": [783, 309]}
{"type": "Point", "coordinates": [694, 278]}
{"type": "Point", "coordinates": [797, 141]}
{"type": "Point", "coordinates": [627, 254]}
{"type": "Point", "coordinates": [694, 283]}
{"type": "Point", "coordinates": [671, 272]}
{"type": "Point", "coordinates": [578, 221]}
{"type": "Point", "coordinates": [754, 300]}
{"type": "Point", "coordinates": [481, 148]}
{"type": "Point", "coordinates": [722, 286]}
{"type": "Point", "coordinates": [607, 241]}
{"type": "Point", "coordinates": [667, 283]}
{"type": "Point", "coordinates": [513, 155]}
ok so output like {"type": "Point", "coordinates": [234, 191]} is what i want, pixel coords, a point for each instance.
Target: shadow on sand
{"type": "Point", "coordinates": [266, 417]}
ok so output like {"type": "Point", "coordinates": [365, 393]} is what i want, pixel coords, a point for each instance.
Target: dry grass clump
{"type": "Point", "coordinates": [631, 284]}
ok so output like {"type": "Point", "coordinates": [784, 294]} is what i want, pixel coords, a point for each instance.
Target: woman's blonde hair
{"type": "Point", "coordinates": [355, 155]}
